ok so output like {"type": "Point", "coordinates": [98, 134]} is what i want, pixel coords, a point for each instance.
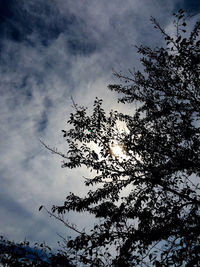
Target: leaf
{"type": "Point", "coordinates": [156, 263]}
{"type": "Point", "coordinates": [65, 133]}
{"type": "Point", "coordinates": [198, 43]}
{"type": "Point", "coordinates": [178, 39]}
{"type": "Point", "coordinates": [40, 208]}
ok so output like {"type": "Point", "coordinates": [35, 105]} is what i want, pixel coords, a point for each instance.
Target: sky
{"type": "Point", "coordinates": [51, 50]}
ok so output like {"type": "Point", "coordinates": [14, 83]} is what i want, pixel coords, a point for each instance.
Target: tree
{"type": "Point", "coordinates": [21, 255]}
{"type": "Point", "coordinates": [158, 221]}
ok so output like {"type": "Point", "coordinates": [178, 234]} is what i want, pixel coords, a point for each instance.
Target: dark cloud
{"type": "Point", "coordinates": [20, 18]}
{"type": "Point", "coordinates": [10, 206]}
{"type": "Point", "coordinates": [191, 6]}
{"type": "Point", "coordinates": [43, 122]}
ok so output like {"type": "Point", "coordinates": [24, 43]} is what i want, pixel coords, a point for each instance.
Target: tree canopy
{"type": "Point", "coordinates": [157, 222]}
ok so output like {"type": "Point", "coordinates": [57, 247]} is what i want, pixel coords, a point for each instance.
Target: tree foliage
{"type": "Point", "coordinates": [22, 255]}
{"type": "Point", "coordinates": [158, 221]}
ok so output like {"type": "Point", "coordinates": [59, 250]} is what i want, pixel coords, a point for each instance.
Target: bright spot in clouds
{"type": "Point", "coordinates": [117, 150]}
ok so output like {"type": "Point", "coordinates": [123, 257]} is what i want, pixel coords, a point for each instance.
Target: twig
{"type": "Point", "coordinates": [74, 104]}
{"type": "Point", "coordinates": [53, 150]}
{"type": "Point", "coordinates": [64, 222]}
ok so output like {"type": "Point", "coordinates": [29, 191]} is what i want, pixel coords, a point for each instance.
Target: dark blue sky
{"type": "Point", "coordinates": [17, 23]}
{"type": "Point", "coordinates": [191, 6]}
{"type": "Point", "coordinates": [50, 50]}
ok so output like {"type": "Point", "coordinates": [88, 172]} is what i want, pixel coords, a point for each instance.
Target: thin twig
{"type": "Point", "coordinates": [74, 104]}
{"type": "Point", "coordinates": [64, 222]}
{"type": "Point", "coordinates": [53, 150]}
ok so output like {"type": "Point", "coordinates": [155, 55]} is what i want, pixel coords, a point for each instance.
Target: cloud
{"type": "Point", "coordinates": [51, 50]}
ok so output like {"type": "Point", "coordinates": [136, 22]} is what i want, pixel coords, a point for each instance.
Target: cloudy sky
{"type": "Point", "coordinates": [51, 50]}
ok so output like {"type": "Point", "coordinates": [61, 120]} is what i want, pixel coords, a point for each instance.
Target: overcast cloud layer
{"type": "Point", "coordinates": [49, 51]}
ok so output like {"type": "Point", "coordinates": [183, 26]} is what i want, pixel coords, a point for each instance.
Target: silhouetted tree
{"type": "Point", "coordinates": [22, 255]}
{"type": "Point", "coordinates": [158, 221]}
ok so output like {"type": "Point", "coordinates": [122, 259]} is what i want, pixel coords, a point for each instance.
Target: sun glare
{"type": "Point", "coordinates": [117, 150]}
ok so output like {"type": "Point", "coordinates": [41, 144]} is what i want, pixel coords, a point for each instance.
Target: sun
{"type": "Point", "coordinates": [117, 150]}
